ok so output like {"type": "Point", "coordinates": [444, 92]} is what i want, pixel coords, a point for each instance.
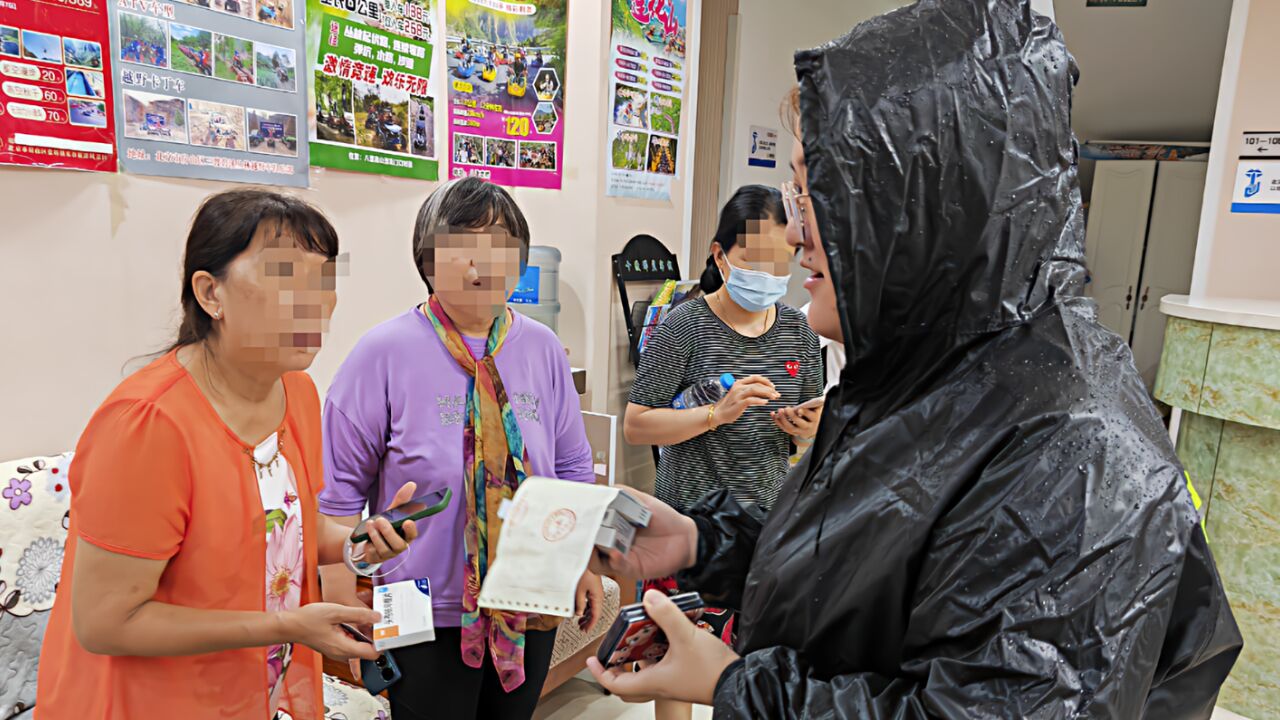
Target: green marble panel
{"type": "Point", "coordinates": [1198, 437]}
{"type": "Point", "coordinates": [1242, 381]}
{"type": "Point", "coordinates": [1182, 364]}
{"type": "Point", "coordinates": [1244, 533]}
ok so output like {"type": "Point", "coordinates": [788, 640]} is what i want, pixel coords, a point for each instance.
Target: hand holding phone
{"type": "Point", "coordinates": [377, 675]}
{"type": "Point", "coordinates": [634, 636]}
{"type": "Point", "coordinates": [690, 667]}
{"type": "Point", "coordinates": [407, 511]}
{"type": "Point", "coordinates": [800, 421]}
{"type": "Point", "coordinates": [319, 627]}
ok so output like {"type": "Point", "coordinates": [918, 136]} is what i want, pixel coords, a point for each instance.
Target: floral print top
{"type": "Point", "coordinates": [285, 559]}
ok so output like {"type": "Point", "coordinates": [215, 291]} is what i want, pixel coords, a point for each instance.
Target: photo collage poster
{"type": "Point", "coordinates": [506, 95]}
{"type": "Point", "coordinates": [211, 89]}
{"type": "Point", "coordinates": [646, 97]}
{"type": "Point", "coordinates": [55, 99]}
{"type": "Point", "coordinates": [369, 106]}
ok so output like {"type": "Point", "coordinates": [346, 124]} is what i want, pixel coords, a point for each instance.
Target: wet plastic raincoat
{"type": "Point", "coordinates": [992, 522]}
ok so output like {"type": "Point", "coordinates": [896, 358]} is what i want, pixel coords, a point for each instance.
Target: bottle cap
{"type": "Point", "coordinates": [726, 381]}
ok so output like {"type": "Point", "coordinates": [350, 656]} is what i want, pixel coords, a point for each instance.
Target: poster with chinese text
{"type": "Point", "coordinates": [211, 89]}
{"type": "Point", "coordinates": [506, 90]}
{"type": "Point", "coordinates": [646, 97]}
{"type": "Point", "coordinates": [55, 100]}
{"type": "Point", "coordinates": [369, 106]}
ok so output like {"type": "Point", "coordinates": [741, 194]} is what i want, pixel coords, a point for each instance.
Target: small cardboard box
{"type": "Point", "coordinates": [406, 620]}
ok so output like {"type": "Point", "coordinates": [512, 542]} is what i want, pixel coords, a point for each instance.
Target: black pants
{"type": "Point", "coordinates": [436, 684]}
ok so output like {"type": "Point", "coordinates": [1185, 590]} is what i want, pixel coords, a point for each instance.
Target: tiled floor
{"type": "Point", "coordinates": [582, 699]}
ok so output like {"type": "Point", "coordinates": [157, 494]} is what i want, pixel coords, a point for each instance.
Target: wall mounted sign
{"type": "Point", "coordinates": [55, 93]}
{"type": "Point", "coordinates": [1116, 3]}
{"type": "Point", "coordinates": [1257, 187]}
{"type": "Point", "coordinates": [211, 89]}
{"type": "Point", "coordinates": [1260, 145]}
{"type": "Point", "coordinates": [370, 108]}
{"type": "Point", "coordinates": [646, 97]}
{"type": "Point", "coordinates": [506, 92]}
{"type": "Point", "coordinates": [763, 149]}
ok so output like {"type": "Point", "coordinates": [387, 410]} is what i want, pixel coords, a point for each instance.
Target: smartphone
{"type": "Point", "coordinates": [813, 403]}
{"type": "Point", "coordinates": [416, 509]}
{"type": "Point", "coordinates": [635, 637]}
{"type": "Point", "coordinates": [377, 675]}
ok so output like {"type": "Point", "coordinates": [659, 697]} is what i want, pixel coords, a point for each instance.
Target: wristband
{"type": "Point", "coordinates": [357, 564]}
{"type": "Point", "coordinates": [711, 417]}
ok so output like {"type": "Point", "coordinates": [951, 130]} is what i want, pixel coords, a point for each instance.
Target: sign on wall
{"type": "Point", "coordinates": [762, 151]}
{"type": "Point", "coordinates": [369, 107]}
{"type": "Point", "coordinates": [211, 89]}
{"type": "Point", "coordinates": [646, 97]}
{"type": "Point", "coordinates": [1116, 3]}
{"type": "Point", "coordinates": [55, 101]}
{"type": "Point", "coordinates": [1257, 186]}
{"type": "Point", "coordinates": [506, 90]}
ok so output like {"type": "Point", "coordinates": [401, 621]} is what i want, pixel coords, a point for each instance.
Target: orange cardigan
{"type": "Point", "coordinates": [158, 475]}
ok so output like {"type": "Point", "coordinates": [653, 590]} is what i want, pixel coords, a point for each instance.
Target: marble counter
{"type": "Point", "coordinates": [1221, 367]}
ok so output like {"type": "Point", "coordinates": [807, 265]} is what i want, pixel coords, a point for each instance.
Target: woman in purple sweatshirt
{"type": "Point", "coordinates": [428, 397]}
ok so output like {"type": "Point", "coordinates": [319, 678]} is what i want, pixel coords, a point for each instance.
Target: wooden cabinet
{"type": "Point", "coordinates": [1144, 217]}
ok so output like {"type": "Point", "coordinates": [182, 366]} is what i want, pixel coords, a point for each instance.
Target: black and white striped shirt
{"type": "Point", "coordinates": [750, 456]}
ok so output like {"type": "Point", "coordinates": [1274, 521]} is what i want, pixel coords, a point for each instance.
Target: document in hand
{"type": "Point", "coordinates": [548, 534]}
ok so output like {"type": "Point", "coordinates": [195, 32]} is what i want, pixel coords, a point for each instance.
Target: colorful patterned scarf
{"type": "Point", "coordinates": [493, 461]}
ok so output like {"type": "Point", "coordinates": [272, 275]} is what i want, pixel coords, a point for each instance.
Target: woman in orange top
{"type": "Point", "coordinates": [189, 586]}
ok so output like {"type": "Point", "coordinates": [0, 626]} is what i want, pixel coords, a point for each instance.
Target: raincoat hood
{"type": "Point", "coordinates": [942, 167]}
{"type": "Point", "coordinates": [993, 522]}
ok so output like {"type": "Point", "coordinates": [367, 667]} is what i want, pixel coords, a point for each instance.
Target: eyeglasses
{"type": "Point", "coordinates": [795, 210]}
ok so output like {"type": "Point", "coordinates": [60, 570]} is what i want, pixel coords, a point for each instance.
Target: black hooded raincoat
{"type": "Point", "coordinates": [992, 522]}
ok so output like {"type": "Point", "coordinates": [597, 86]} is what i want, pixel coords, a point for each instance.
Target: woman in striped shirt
{"type": "Point", "coordinates": [739, 327]}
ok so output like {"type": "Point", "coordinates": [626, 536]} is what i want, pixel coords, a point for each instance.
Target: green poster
{"type": "Point", "coordinates": [370, 110]}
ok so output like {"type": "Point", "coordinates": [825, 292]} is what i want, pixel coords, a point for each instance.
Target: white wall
{"type": "Point", "coordinates": [90, 264]}
{"type": "Point", "coordinates": [1146, 73]}
{"type": "Point", "coordinates": [1238, 255]}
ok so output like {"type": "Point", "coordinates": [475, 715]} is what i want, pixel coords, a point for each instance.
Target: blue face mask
{"type": "Point", "coordinates": [754, 290]}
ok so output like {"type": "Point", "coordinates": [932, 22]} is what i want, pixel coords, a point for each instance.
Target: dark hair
{"type": "Point", "coordinates": [223, 228]}
{"type": "Point", "coordinates": [750, 202]}
{"type": "Point", "coordinates": [467, 203]}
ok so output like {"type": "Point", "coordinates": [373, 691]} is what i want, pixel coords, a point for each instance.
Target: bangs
{"type": "Point", "coordinates": [310, 229]}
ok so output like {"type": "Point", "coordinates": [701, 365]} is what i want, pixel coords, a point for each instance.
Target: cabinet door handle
{"type": "Point", "coordinates": [1128, 298]}
{"type": "Point", "coordinates": [1143, 302]}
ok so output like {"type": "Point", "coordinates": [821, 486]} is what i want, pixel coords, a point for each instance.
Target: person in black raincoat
{"type": "Point", "coordinates": [992, 522]}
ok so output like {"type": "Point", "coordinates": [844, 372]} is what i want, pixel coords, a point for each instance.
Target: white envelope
{"type": "Point", "coordinates": [547, 539]}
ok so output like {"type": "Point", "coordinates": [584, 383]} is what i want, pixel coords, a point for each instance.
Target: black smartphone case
{"type": "Point", "coordinates": [378, 675]}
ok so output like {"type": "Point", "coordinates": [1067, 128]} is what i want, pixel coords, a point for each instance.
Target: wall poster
{"type": "Point", "coordinates": [211, 89]}
{"type": "Point", "coordinates": [646, 96]}
{"type": "Point", "coordinates": [369, 105]}
{"type": "Point", "coordinates": [55, 102]}
{"type": "Point", "coordinates": [506, 90]}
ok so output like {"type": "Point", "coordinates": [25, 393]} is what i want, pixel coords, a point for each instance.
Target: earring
{"type": "Point", "coordinates": [217, 315]}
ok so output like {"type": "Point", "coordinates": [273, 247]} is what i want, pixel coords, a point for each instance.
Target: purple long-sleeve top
{"type": "Point", "coordinates": [395, 414]}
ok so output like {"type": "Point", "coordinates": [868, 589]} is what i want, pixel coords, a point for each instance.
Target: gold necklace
{"type": "Point", "coordinates": [259, 468]}
{"type": "Point", "coordinates": [764, 326]}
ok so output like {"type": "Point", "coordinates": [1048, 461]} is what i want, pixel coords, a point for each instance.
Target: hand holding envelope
{"type": "Point", "coordinates": [549, 533]}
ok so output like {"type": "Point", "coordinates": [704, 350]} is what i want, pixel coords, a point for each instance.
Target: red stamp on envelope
{"type": "Point", "coordinates": [559, 524]}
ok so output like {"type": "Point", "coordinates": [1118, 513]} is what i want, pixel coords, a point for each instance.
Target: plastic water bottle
{"type": "Point", "coordinates": [704, 392]}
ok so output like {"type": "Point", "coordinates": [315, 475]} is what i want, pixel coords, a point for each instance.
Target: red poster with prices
{"type": "Point", "coordinates": [55, 85]}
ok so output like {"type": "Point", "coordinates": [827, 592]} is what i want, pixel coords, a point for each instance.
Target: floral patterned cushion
{"type": "Point", "coordinates": [348, 702]}
{"type": "Point", "coordinates": [34, 502]}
